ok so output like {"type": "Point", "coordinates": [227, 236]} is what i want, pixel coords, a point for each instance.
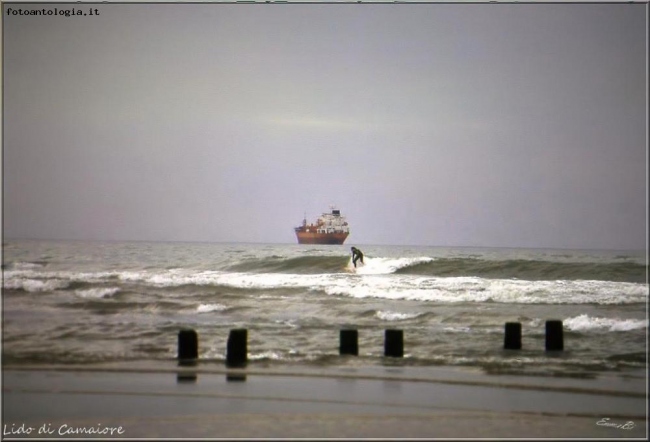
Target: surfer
{"type": "Point", "coordinates": [357, 255]}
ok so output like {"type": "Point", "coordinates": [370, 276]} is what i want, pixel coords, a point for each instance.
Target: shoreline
{"type": "Point", "coordinates": [166, 400]}
{"type": "Point", "coordinates": [603, 383]}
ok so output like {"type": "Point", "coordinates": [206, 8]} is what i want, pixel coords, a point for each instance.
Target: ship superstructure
{"type": "Point", "coordinates": [330, 228]}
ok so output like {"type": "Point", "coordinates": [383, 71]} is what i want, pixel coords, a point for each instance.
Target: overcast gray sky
{"type": "Point", "coordinates": [511, 125]}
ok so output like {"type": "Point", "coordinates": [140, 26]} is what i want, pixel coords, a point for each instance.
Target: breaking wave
{"type": "Point", "coordinates": [385, 266]}
{"type": "Point", "coordinates": [207, 308]}
{"type": "Point", "coordinates": [585, 322]}
{"type": "Point", "coordinates": [382, 279]}
{"type": "Point", "coordinates": [525, 269]}
{"type": "Point", "coordinates": [300, 265]}
{"type": "Point", "coordinates": [529, 269]}
{"type": "Point", "coordinates": [27, 265]}
{"type": "Point", "coordinates": [396, 316]}
{"type": "Point", "coordinates": [77, 302]}
{"type": "Point", "coordinates": [98, 292]}
{"type": "Point", "coordinates": [522, 269]}
{"type": "Point", "coordinates": [34, 285]}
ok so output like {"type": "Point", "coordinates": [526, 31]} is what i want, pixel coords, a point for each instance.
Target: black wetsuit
{"type": "Point", "coordinates": [357, 255]}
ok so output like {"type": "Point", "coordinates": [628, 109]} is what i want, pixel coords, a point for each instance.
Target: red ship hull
{"type": "Point", "coordinates": [320, 238]}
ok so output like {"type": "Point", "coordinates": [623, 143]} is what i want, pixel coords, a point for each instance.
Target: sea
{"type": "Point", "coordinates": [85, 302]}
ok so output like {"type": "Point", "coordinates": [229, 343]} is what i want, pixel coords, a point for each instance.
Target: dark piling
{"type": "Point", "coordinates": [237, 349]}
{"type": "Point", "coordinates": [349, 342]}
{"type": "Point", "coordinates": [512, 340]}
{"type": "Point", "coordinates": [188, 345]}
{"type": "Point", "coordinates": [394, 343]}
{"type": "Point", "coordinates": [554, 336]}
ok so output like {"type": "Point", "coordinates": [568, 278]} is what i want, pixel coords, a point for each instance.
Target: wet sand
{"type": "Point", "coordinates": [167, 401]}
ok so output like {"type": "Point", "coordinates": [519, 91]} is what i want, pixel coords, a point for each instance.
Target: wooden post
{"type": "Point", "coordinates": [394, 343]}
{"type": "Point", "coordinates": [188, 345]}
{"type": "Point", "coordinates": [512, 339]}
{"type": "Point", "coordinates": [349, 342]}
{"type": "Point", "coordinates": [237, 351]}
{"type": "Point", "coordinates": [554, 336]}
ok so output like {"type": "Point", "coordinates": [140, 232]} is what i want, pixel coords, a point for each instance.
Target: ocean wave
{"type": "Point", "coordinates": [585, 322]}
{"type": "Point", "coordinates": [99, 292]}
{"type": "Point", "coordinates": [393, 286]}
{"type": "Point", "coordinates": [385, 266]}
{"type": "Point", "coordinates": [34, 285]}
{"type": "Point", "coordinates": [530, 269]}
{"type": "Point", "coordinates": [207, 308]}
{"type": "Point", "coordinates": [395, 316]}
{"type": "Point", "coordinates": [273, 297]}
{"type": "Point", "coordinates": [27, 265]}
{"type": "Point", "coordinates": [325, 265]}
{"type": "Point", "coordinates": [288, 323]}
{"type": "Point", "coordinates": [472, 266]}
{"type": "Point", "coordinates": [459, 329]}
{"type": "Point", "coordinates": [459, 290]}
{"type": "Point", "coordinates": [299, 265]}
{"type": "Point", "coordinates": [267, 356]}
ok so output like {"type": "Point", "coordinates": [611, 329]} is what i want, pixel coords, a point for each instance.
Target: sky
{"type": "Point", "coordinates": [480, 125]}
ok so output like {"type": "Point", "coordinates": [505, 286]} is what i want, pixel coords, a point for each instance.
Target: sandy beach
{"type": "Point", "coordinates": [168, 401]}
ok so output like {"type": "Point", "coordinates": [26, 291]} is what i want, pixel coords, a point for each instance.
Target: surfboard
{"type": "Point", "coordinates": [351, 268]}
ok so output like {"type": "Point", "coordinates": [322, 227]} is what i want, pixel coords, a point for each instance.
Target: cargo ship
{"type": "Point", "coordinates": [330, 228]}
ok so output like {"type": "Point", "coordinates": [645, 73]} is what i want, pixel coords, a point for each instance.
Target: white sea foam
{"type": "Point", "coordinates": [134, 276]}
{"type": "Point", "coordinates": [535, 322]}
{"type": "Point", "coordinates": [395, 316]}
{"type": "Point", "coordinates": [385, 266]}
{"type": "Point", "coordinates": [585, 322]}
{"type": "Point", "coordinates": [99, 292]}
{"type": "Point", "coordinates": [206, 308]}
{"type": "Point", "coordinates": [378, 282]}
{"type": "Point", "coordinates": [266, 355]}
{"type": "Point", "coordinates": [34, 285]}
{"type": "Point", "coordinates": [288, 323]}
{"type": "Point", "coordinates": [447, 290]}
{"type": "Point", "coordinates": [273, 297]}
{"type": "Point", "coordinates": [460, 329]}
{"type": "Point", "coordinates": [26, 266]}
{"type": "Point", "coordinates": [471, 289]}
